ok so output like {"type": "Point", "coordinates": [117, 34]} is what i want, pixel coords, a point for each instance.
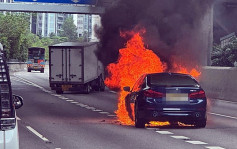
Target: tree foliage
{"type": "Point", "coordinates": [226, 56]}
{"type": "Point", "coordinates": [13, 27]}
{"type": "Point", "coordinates": [69, 30]}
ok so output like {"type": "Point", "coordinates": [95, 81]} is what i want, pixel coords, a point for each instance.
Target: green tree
{"type": "Point", "coordinates": [13, 26]}
{"type": "Point", "coordinates": [69, 30]}
{"type": "Point", "coordinates": [226, 56]}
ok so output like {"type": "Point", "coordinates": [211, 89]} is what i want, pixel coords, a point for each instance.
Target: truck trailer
{"type": "Point", "coordinates": [74, 66]}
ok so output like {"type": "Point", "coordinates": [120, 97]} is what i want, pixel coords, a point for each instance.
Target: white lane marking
{"type": "Point", "coordinates": [37, 134]}
{"type": "Point", "coordinates": [214, 147]}
{"type": "Point", "coordinates": [97, 110]}
{"type": "Point", "coordinates": [57, 148]}
{"type": "Point", "coordinates": [233, 102]}
{"type": "Point", "coordinates": [223, 115]}
{"type": "Point", "coordinates": [104, 112]}
{"type": "Point", "coordinates": [181, 137]}
{"type": "Point", "coordinates": [165, 132]}
{"type": "Point", "coordinates": [69, 100]}
{"type": "Point", "coordinates": [113, 92]}
{"type": "Point", "coordinates": [112, 115]}
{"type": "Point", "coordinates": [18, 118]}
{"type": "Point", "coordinates": [81, 105]}
{"type": "Point", "coordinates": [196, 142]}
{"type": "Point", "coordinates": [56, 95]}
{"type": "Point", "coordinates": [63, 98]}
{"type": "Point", "coordinates": [90, 108]}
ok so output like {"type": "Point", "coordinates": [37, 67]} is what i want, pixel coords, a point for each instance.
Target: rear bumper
{"type": "Point", "coordinates": [171, 115]}
{"type": "Point", "coordinates": [66, 87]}
{"type": "Point", "coordinates": [35, 68]}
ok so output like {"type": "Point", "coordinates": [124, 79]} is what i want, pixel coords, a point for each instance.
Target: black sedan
{"type": "Point", "coordinates": [172, 97]}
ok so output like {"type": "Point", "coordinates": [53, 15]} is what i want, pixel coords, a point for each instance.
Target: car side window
{"type": "Point", "coordinates": [138, 85]}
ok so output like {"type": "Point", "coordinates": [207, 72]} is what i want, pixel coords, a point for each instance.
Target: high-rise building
{"type": "Point", "coordinates": [5, 1]}
{"type": "Point", "coordinates": [86, 25]}
{"type": "Point", "coordinates": [50, 23]}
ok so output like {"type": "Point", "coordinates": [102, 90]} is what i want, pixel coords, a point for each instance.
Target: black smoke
{"type": "Point", "coordinates": [172, 28]}
{"type": "Point", "coordinates": [224, 19]}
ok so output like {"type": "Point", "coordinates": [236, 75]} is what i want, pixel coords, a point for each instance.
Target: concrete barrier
{"type": "Point", "coordinates": [16, 66]}
{"type": "Point", "coordinates": [220, 82]}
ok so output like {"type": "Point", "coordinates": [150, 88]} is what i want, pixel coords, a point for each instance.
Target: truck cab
{"type": "Point", "coordinates": [36, 59]}
{"type": "Point", "coordinates": [9, 138]}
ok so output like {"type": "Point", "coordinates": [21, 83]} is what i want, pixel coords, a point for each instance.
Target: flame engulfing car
{"type": "Point", "coordinates": [172, 97]}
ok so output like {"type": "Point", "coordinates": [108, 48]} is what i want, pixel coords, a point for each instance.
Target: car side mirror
{"type": "Point", "coordinates": [126, 88]}
{"type": "Point", "coordinates": [17, 101]}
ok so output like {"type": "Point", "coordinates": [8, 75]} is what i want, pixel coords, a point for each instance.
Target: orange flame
{"type": "Point", "coordinates": [135, 60]}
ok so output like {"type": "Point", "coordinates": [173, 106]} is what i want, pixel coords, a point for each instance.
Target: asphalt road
{"type": "Point", "coordinates": [81, 121]}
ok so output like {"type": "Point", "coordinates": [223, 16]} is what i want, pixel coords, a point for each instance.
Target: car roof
{"type": "Point", "coordinates": [169, 73]}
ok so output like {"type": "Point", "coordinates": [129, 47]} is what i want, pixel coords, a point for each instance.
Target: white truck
{"type": "Point", "coordinates": [74, 66]}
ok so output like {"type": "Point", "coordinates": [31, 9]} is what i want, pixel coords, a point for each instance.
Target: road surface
{"type": "Point", "coordinates": [88, 121]}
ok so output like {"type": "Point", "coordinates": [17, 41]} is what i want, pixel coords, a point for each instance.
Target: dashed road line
{"type": "Point", "coordinates": [104, 112]}
{"type": "Point", "coordinates": [97, 110]}
{"type": "Point", "coordinates": [196, 142]}
{"type": "Point", "coordinates": [113, 92]}
{"type": "Point", "coordinates": [181, 137]}
{"type": "Point", "coordinates": [112, 115]}
{"type": "Point", "coordinates": [69, 100]}
{"type": "Point", "coordinates": [65, 98]}
{"type": "Point", "coordinates": [37, 134]}
{"type": "Point", "coordinates": [223, 115]}
{"type": "Point", "coordinates": [165, 132]}
{"type": "Point", "coordinates": [214, 147]}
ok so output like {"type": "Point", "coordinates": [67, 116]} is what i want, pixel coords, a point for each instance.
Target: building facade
{"type": "Point", "coordinates": [50, 23]}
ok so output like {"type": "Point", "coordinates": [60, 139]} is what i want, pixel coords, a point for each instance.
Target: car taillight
{"type": "Point", "coordinates": [153, 94]}
{"type": "Point", "coordinates": [197, 95]}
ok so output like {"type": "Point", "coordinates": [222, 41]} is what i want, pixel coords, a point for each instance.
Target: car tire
{"type": "Point", "coordinates": [201, 123]}
{"type": "Point", "coordinates": [139, 123]}
{"type": "Point", "coordinates": [42, 70]}
{"type": "Point", "coordinates": [59, 91]}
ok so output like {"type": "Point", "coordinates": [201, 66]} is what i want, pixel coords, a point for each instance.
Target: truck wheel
{"type": "Point", "coordinates": [87, 89]}
{"type": "Point", "coordinates": [59, 91]}
{"type": "Point", "coordinates": [102, 85]}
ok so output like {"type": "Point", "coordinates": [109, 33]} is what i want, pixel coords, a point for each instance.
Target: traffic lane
{"type": "Point", "coordinates": [220, 131]}
{"type": "Point", "coordinates": [41, 79]}
{"type": "Point", "coordinates": [29, 140]}
{"type": "Point", "coordinates": [190, 134]}
{"type": "Point", "coordinates": [103, 100]}
{"type": "Point", "coordinates": [69, 126]}
{"type": "Point", "coordinates": [222, 107]}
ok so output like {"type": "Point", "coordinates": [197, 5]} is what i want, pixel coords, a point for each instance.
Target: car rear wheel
{"type": "Point", "coordinates": [139, 122]}
{"type": "Point", "coordinates": [201, 123]}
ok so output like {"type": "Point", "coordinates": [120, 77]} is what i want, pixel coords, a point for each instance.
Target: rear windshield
{"type": "Point", "coordinates": [171, 80]}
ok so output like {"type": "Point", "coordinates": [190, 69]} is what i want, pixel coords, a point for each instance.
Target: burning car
{"type": "Point", "coordinates": [173, 97]}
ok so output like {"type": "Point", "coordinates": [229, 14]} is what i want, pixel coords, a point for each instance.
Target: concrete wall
{"type": "Point", "coordinates": [16, 66]}
{"type": "Point", "coordinates": [220, 82]}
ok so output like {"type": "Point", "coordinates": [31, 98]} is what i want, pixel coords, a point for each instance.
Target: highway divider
{"type": "Point", "coordinates": [220, 82]}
